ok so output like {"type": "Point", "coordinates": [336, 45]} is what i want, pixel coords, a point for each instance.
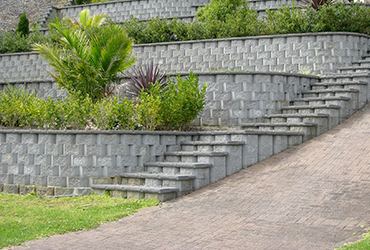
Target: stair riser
{"type": "Point", "coordinates": [346, 71]}
{"type": "Point", "coordinates": [137, 195]}
{"type": "Point", "coordinates": [202, 174]}
{"type": "Point", "coordinates": [184, 186]}
{"type": "Point", "coordinates": [334, 114]}
{"type": "Point", "coordinates": [310, 132]}
{"type": "Point", "coordinates": [362, 64]}
{"type": "Point", "coordinates": [322, 122]}
{"type": "Point", "coordinates": [346, 109]}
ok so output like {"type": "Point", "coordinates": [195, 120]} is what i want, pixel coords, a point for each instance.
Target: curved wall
{"type": "Point", "coordinates": [312, 52]}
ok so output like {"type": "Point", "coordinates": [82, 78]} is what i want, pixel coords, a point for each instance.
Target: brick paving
{"type": "Point", "coordinates": [314, 196]}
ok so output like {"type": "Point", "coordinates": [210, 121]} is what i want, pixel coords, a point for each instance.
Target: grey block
{"type": "Point", "coordinates": [11, 188]}
{"type": "Point", "coordinates": [73, 181]}
{"type": "Point", "coordinates": [57, 181]}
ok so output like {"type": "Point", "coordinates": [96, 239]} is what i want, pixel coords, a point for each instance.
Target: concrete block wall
{"type": "Point", "coordinates": [233, 98]}
{"type": "Point", "coordinates": [318, 52]}
{"type": "Point", "coordinates": [72, 159]}
{"type": "Point", "coordinates": [120, 11]}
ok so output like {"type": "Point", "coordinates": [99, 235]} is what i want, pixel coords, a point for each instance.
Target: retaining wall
{"type": "Point", "coordinates": [120, 11]}
{"type": "Point", "coordinates": [70, 160]}
{"type": "Point", "coordinates": [318, 52]}
{"type": "Point", "coordinates": [232, 98]}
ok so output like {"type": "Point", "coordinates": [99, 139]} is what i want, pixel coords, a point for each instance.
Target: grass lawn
{"type": "Point", "coordinates": [363, 244]}
{"type": "Point", "coordinates": [27, 217]}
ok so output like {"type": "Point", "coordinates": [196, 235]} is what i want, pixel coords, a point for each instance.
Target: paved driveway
{"type": "Point", "coordinates": [314, 196]}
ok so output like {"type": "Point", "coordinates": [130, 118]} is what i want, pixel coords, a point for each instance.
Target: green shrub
{"type": "Point", "coordinates": [89, 55]}
{"type": "Point", "coordinates": [229, 18]}
{"type": "Point", "coordinates": [342, 17]}
{"type": "Point", "coordinates": [23, 25]}
{"type": "Point", "coordinates": [289, 19]}
{"type": "Point", "coordinates": [182, 101]}
{"type": "Point", "coordinates": [18, 108]}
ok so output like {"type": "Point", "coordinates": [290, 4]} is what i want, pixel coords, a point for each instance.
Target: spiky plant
{"type": "Point", "coordinates": [141, 77]}
{"type": "Point", "coordinates": [89, 55]}
{"type": "Point", "coordinates": [315, 4]}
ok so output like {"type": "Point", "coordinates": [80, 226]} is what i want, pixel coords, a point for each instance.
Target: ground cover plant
{"type": "Point", "coordinates": [28, 217]}
{"type": "Point", "coordinates": [174, 106]}
{"type": "Point", "coordinates": [363, 244]}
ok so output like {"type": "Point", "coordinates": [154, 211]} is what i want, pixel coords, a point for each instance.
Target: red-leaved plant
{"type": "Point", "coordinates": [141, 77]}
{"type": "Point", "coordinates": [315, 4]}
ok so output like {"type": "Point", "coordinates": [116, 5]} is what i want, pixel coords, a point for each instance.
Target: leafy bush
{"type": "Point", "coordinates": [89, 55]}
{"type": "Point", "coordinates": [289, 19]}
{"type": "Point", "coordinates": [23, 25]}
{"type": "Point", "coordinates": [229, 18]}
{"type": "Point", "coordinates": [156, 108]}
{"type": "Point", "coordinates": [18, 108]}
{"type": "Point", "coordinates": [181, 102]}
{"type": "Point", "coordinates": [316, 4]}
{"type": "Point", "coordinates": [12, 41]}
{"type": "Point", "coordinates": [141, 77]}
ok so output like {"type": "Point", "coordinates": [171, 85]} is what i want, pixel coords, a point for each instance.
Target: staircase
{"type": "Point", "coordinates": [323, 105]}
{"type": "Point", "coordinates": [195, 164]}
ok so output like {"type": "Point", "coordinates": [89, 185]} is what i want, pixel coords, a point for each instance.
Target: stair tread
{"type": "Point", "coordinates": [331, 106]}
{"type": "Point", "coordinates": [226, 143]}
{"type": "Point", "coordinates": [158, 190]}
{"type": "Point", "coordinates": [195, 153]}
{"type": "Point", "coordinates": [339, 83]}
{"type": "Point", "coordinates": [329, 91]}
{"type": "Point", "coordinates": [297, 115]}
{"type": "Point", "coordinates": [160, 176]}
{"type": "Point", "coordinates": [296, 124]}
{"type": "Point", "coordinates": [354, 67]}
{"type": "Point", "coordinates": [323, 98]}
{"type": "Point", "coordinates": [179, 164]}
{"type": "Point", "coordinates": [344, 75]}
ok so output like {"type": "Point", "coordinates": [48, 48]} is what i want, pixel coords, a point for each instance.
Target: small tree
{"type": "Point", "coordinates": [88, 56]}
{"type": "Point", "coordinates": [23, 25]}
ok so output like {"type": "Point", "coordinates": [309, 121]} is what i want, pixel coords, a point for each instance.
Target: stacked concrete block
{"type": "Point", "coordinates": [120, 11]}
{"type": "Point", "coordinates": [320, 53]}
{"type": "Point", "coordinates": [233, 98]}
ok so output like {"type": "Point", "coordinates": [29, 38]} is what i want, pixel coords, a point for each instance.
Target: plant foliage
{"type": "Point", "coordinates": [173, 107]}
{"type": "Point", "coordinates": [141, 77]}
{"type": "Point", "coordinates": [89, 55]}
{"type": "Point", "coordinates": [23, 25]}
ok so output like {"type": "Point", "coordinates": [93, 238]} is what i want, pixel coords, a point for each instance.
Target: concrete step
{"type": "Point", "coordinates": [183, 182]}
{"type": "Point", "coordinates": [353, 69]}
{"type": "Point", "coordinates": [204, 172]}
{"type": "Point", "coordinates": [138, 192]}
{"type": "Point", "coordinates": [353, 94]}
{"type": "Point", "coordinates": [322, 120]}
{"type": "Point", "coordinates": [362, 63]}
{"type": "Point", "coordinates": [332, 110]}
{"type": "Point", "coordinates": [345, 103]}
{"type": "Point", "coordinates": [309, 129]}
{"type": "Point", "coordinates": [339, 85]}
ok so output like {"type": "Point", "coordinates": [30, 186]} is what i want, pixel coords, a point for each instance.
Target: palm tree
{"type": "Point", "coordinates": [88, 56]}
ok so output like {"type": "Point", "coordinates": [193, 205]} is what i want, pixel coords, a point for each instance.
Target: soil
{"type": "Point", "coordinates": [11, 10]}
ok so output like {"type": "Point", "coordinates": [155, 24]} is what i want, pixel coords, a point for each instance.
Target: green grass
{"type": "Point", "coordinates": [28, 217]}
{"type": "Point", "coordinates": [363, 244]}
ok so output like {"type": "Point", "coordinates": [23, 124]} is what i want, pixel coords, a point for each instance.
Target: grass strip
{"type": "Point", "coordinates": [28, 217]}
{"type": "Point", "coordinates": [363, 244]}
